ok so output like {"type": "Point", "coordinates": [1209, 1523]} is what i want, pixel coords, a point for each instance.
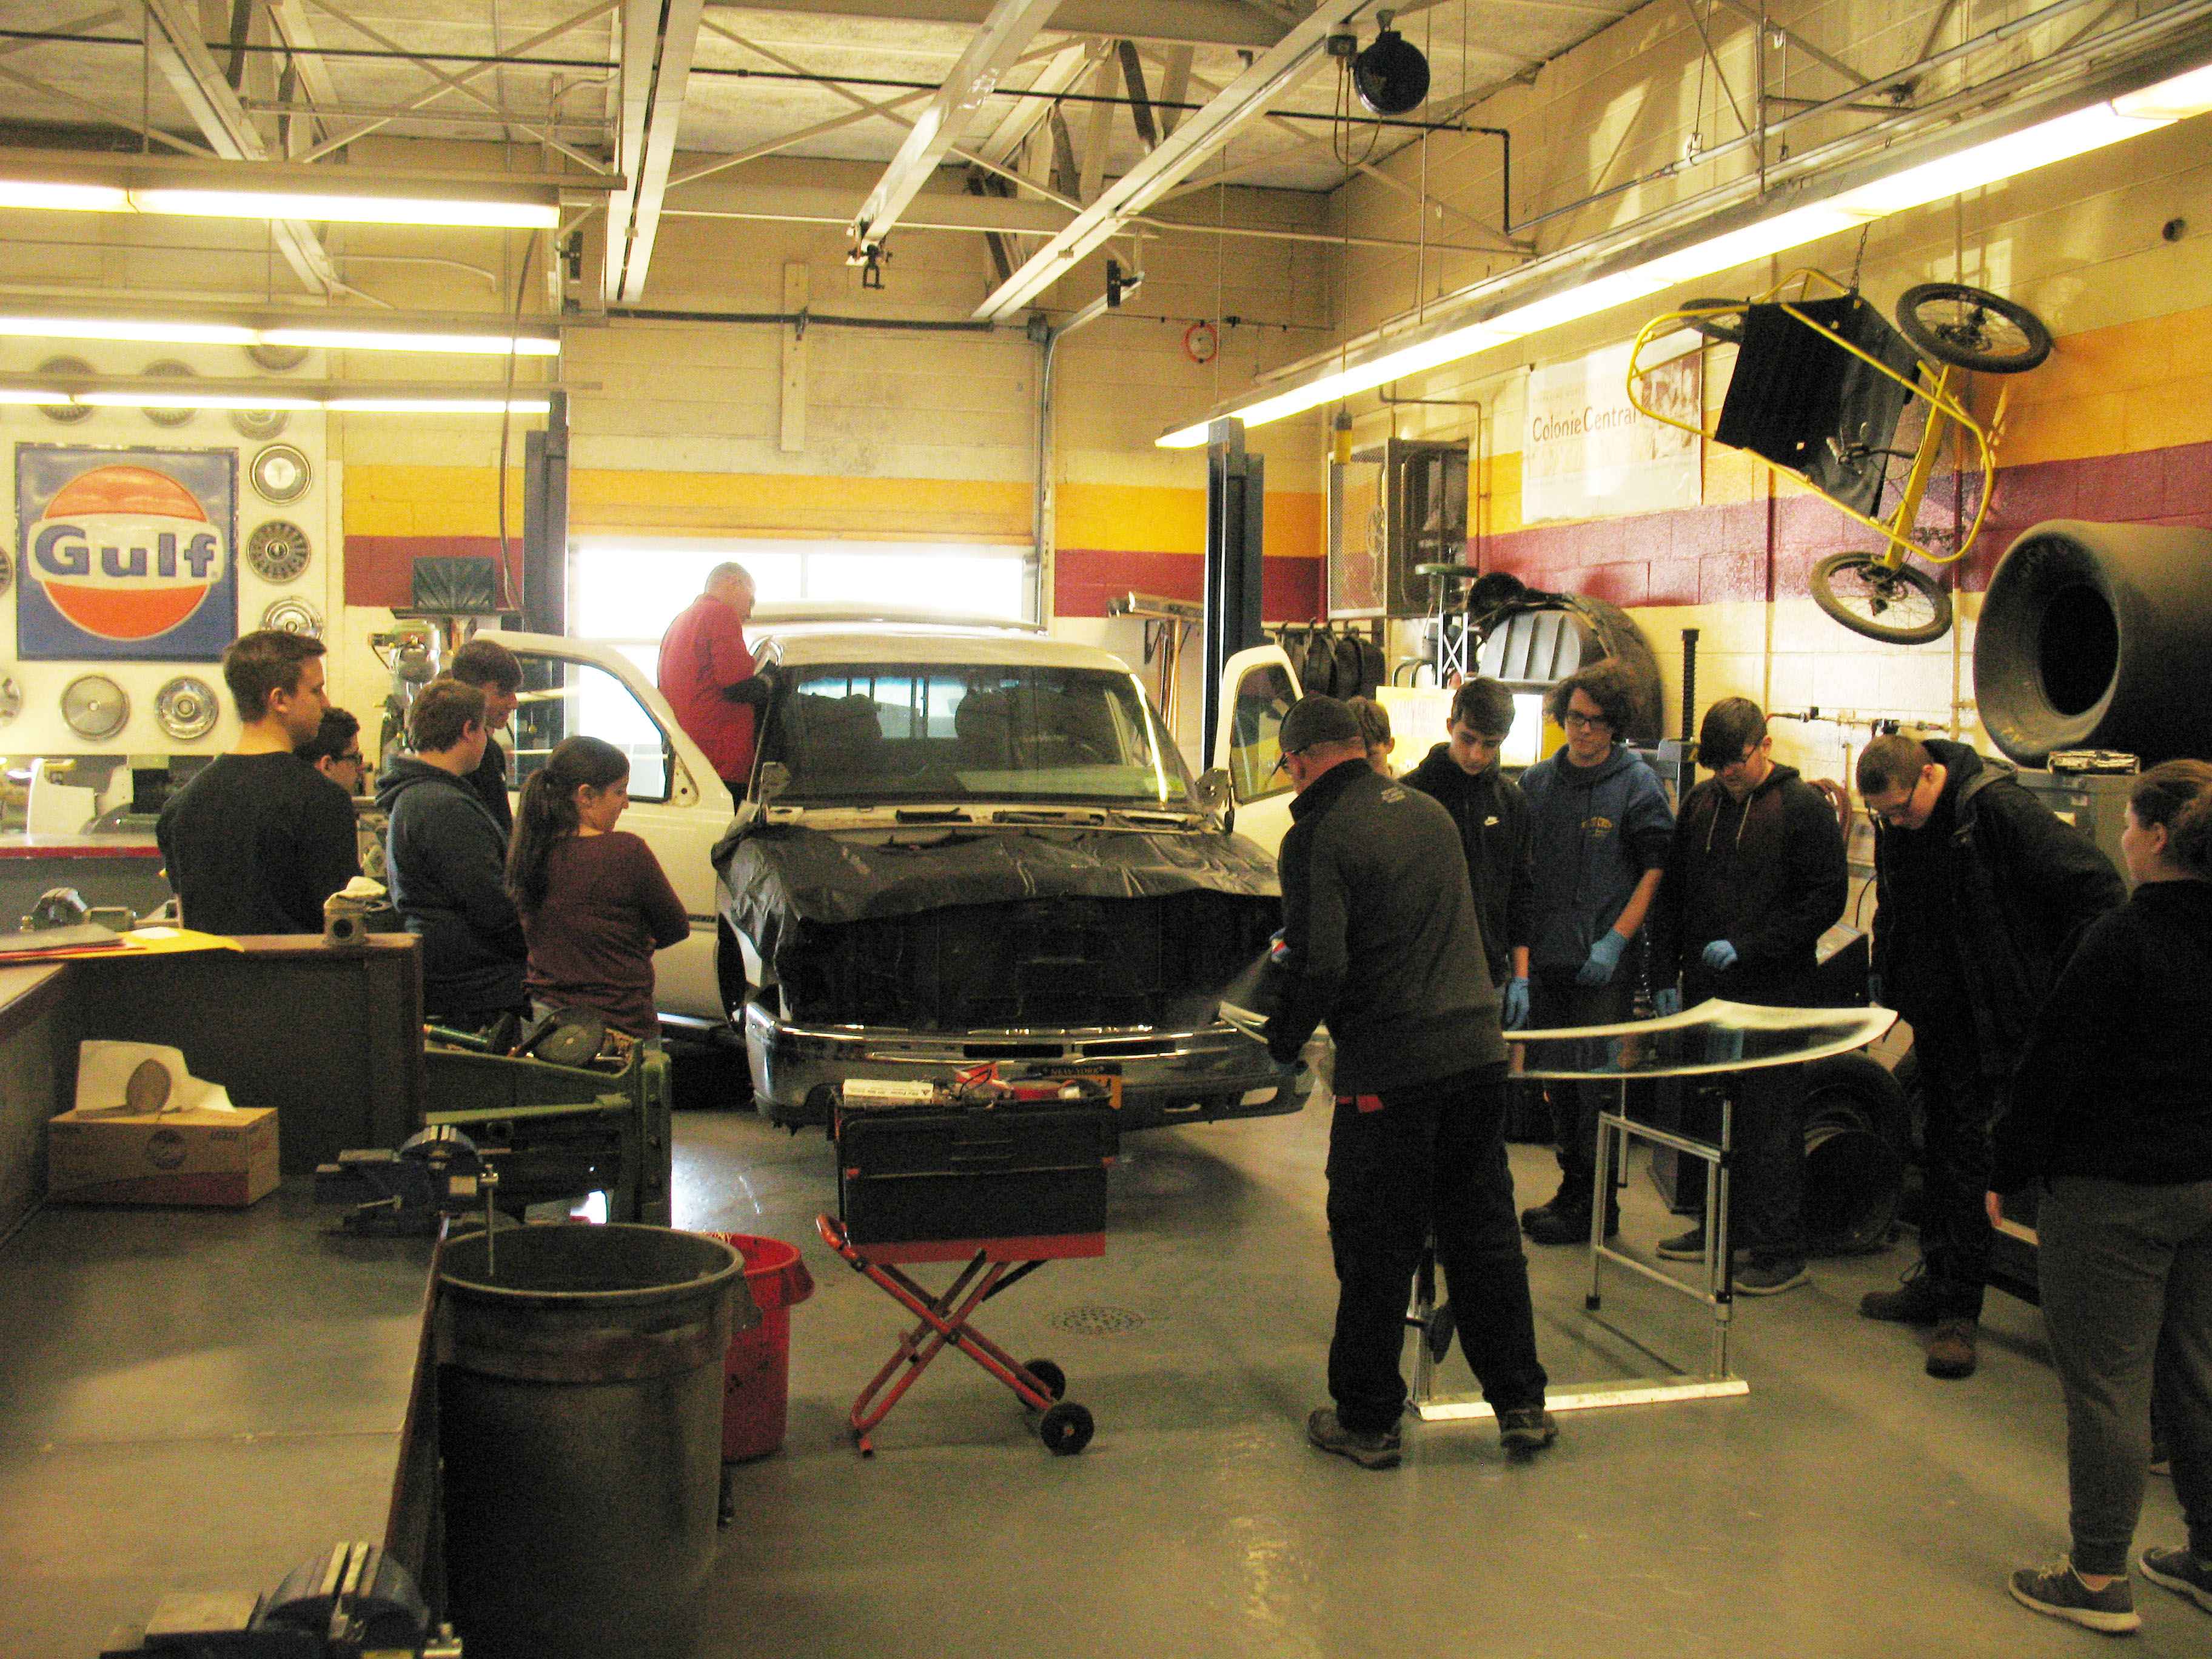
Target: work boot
{"type": "Point", "coordinates": [1573, 1193]}
{"type": "Point", "coordinates": [1566, 1226]}
{"type": "Point", "coordinates": [1951, 1349]}
{"type": "Point", "coordinates": [1525, 1430]}
{"type": "Point", "coordinates": [1370, 1451]}
{"type": "Point", "coordinates": [1918, 1300]}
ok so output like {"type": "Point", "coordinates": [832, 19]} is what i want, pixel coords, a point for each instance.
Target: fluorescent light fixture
{"type": "Point", "coordinates": [495, 342]}
{"type": "Point", "coordinates": [366, 339]}
{"type": "Point", "coordinates": [19, 394]}
{"type": "Point", "coordinates": [2058, 139]}
{"type": "Point", "coordinates": [185, 399]}
{"type": "Point", "coordinates": [64, 197]}
{"type": "Point", "coordinates": [438, 405]}
{"type": "Point", "coordinates": [352, 210]}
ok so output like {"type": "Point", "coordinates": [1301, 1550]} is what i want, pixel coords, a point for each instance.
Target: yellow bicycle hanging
{"type": "Point", "coordinates": [1820, 385]}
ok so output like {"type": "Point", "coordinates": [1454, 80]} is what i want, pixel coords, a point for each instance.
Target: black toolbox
{"type": "Point", "coordinates": [925, 1174]}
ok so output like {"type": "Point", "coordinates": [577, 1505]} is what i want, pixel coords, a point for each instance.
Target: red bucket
{"type": "Point", "coordinates": [757, 1374]}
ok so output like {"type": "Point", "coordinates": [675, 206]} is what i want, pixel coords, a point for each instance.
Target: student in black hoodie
{"type": "Point", "coordinates": [1754, 877]}
{"type": "Point", "coordinates": [447, 860]}
{"type": "Point", "coordinates": [1980, 894]}
{"type": "Point", "coordinates": [1463, 775]}
{"type": "Point", "coordinates": [2111, 1117]}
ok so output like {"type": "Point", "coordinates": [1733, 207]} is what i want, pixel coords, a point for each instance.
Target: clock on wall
{"type": "Point", "coordinates": [186, 709]}
{"type": "Point", "coordinates": [95, 706]}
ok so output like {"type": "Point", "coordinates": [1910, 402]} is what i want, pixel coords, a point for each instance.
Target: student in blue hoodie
{"type": "Point", "coordinates": [1599, 826]}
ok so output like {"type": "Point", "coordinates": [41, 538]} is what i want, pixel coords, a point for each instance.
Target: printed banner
{"type": "Point", "coordinates": [1588, 454]}
{"type": "Point", "coordinates": [125, 554]}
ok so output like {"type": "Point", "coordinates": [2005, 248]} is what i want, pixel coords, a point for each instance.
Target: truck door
{"type": "Point", "coordinates": [1258, 686]}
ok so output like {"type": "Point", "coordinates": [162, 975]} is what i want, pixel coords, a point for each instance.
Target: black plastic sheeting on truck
{"type": "Point", "coordinates": [786, 870]}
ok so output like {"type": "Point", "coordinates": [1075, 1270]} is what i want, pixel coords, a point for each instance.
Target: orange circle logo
{"type": "Point", "coordinates": [125, 552]}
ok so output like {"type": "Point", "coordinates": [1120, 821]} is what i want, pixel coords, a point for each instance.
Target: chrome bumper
{"type": "Point", "coordinates": [1166, 1077]}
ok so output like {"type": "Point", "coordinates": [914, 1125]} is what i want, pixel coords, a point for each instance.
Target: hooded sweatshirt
{"type": "Point", "coordinates": [447, 863]}
{"type": "Point", "coordinates": [1595, 830]}
{"type": "Point", "coordinates": [1765, 873]}
{"type": "Point", "coordinates": [1493, 832]}
{"type": "Point", "coordinates": [2115, 1081]}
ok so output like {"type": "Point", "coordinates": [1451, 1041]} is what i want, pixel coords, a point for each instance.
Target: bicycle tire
{"type": "Point", "coordinates": [1962, 339]}
{"type": "Point", "coordinates": [1902, 606]}
{"type": "Point", "coordinates": [1719, 331]}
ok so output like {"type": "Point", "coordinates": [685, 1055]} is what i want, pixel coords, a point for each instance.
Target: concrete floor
{"type": "Point", "coordinates": [1849, 1505]}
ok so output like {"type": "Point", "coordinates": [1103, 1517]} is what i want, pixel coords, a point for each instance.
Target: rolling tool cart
{"type": "Point", "coordinates": [1003, 1174]}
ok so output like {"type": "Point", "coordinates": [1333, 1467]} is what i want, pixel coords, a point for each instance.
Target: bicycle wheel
{"type": "Point", "coordinates": [1903, 606]}
{"type": "Point", "coordinates": [1972, 328]}
{"type": "Point", "coordinates": [1721, 330]}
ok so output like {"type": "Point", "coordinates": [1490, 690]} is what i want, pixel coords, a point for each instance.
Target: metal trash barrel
{"type": "Point", "coordinates": [579, 1423]}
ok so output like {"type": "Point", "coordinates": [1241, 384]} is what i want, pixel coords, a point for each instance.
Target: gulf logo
{"type": "Point", "coordinates": [125, 552]}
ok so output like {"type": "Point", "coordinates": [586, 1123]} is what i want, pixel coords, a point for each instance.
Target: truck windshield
{"type": "Point", "coordinates": [931, 732]}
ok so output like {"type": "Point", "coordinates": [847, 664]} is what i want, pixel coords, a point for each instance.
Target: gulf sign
{"type": "Point", "coordinates": [125, 554]}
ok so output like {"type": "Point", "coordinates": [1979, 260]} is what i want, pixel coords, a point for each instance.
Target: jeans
{"type": "Point", "coordinates": [2126, 1275]}
{"type": "Point", "coordinates": [1432, 1157]}
{"type": "Point", "coordinates": [1553, 1003]}
{"type": "Point", "coordinates": [1962, 1102]}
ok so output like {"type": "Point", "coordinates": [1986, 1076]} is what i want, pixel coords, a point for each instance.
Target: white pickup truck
{"type": "Point", "coordinates": [962, 842]}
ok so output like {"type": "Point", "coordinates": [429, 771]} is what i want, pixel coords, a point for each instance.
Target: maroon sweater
{"type": "Point", "coordinates": [607, 908]}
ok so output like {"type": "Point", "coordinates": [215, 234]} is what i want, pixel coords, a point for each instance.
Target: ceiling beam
{"type": "Point", "coordinates": [1195, 22]}
{"type": "Point", "coordinates": [174, 46]}
{"type": "Point", "coordinates": [996, 48]}
{"type": "Point", "coordinates": [659, 38]}
{"type": "Point", "coordinates": [1273, 74]}
{"type": "Point", "coordinates": [828, 205]}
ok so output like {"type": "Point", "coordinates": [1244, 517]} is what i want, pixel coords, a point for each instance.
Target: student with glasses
{"type": "Point", "coordinates": [1598, 828]}
{"type": "Point", "coordinates": [335, 750]}
{"type": "Point", "coordinates": [1979, 894]}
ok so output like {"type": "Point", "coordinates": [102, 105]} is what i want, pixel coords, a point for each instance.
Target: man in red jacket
{"type": "Point", "coordinates": [707, 673]}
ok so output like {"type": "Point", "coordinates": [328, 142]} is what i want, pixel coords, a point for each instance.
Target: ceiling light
{"type": "Point", "coordinates": [126, 328]}
{"type": "Point", "coordinates": [185, 399]}
{"type": "Point", "coordinates": [352, 210]}
{"type": "Point", "coordinates": [71, 198]}
{"type": "Point", "coordinates": [364, 339]}
{"type": "Point", "coordinates": [439, 334]}
{"type": "Point", "coordinates": [2058, 139]}
{"type": "Point", "coordinates": [438, 405]}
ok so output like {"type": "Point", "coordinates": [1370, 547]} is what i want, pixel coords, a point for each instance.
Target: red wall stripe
{"type": "Point", "coordinates": [380, 569]}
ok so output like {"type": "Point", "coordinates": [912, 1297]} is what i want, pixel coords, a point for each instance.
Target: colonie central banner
{"type": "Point", "coordinates": [1586, 453]}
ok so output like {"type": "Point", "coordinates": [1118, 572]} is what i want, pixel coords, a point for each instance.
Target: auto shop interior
{"type": "Point", "coordinates": [1186, 357]}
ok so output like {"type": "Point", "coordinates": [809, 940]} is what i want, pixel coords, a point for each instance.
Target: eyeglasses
{"type": "Point", "coordinates": [352, 758]}
{"type": "Point", "coordinates": [1283, 760]}
{"type": "Point", "coordinates": [1588, 722]}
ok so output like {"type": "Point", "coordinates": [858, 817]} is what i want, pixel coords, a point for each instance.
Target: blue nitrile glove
{"type": "Point", "coordinates": [1720, 955]}
{"type": "Point", "coordinates": [1667, 1000]}
{"type": "Point", "coordinates": [1604, 958]}
{"type": "Point", "coordinates": [1873, 990]}
{"type": "Point", "coordinates": [1516, 1003]}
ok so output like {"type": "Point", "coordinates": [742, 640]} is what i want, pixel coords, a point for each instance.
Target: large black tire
{"type": "Point", "coordinates": [1856, 1138]}
{"type": "Point", "coordinates": [2089, 637]}
{"type": "Point", "coordinates": [1972, 328]}
{"type": "Point", "coordinates": [1903, 606]}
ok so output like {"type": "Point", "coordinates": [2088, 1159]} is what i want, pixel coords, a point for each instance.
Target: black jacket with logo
{"type": "Point", "coordinates": [1492, 819]}
{"type": "Point", "coordinates": [1381, 936]}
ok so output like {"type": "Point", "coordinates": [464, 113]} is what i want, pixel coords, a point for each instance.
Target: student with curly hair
{"type": "Point", "coordinates": [595, 904]}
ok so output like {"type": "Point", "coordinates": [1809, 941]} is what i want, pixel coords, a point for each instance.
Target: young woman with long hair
{"type": "Point", "coordinates": [2110, 1120]}
{"type": "Point", "coordinates": [595, 904]}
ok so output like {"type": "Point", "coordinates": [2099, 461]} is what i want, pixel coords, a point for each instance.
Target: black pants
{"type": "Point", "coordinates": [1557, 1002]}
{"type": "Point", "coordinates": [1766, 1189]}
{"type": "Point", "coordinates": [1960, 1103]}
{"type": "Point", "coordinates": [1431, 1156]}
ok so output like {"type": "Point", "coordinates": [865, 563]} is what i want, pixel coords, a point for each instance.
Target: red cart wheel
{"type": "Point", "coordinates": [1065, 1429]}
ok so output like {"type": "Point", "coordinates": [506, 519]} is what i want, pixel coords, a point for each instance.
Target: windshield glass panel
{"type": "Point", "coordinates": [933, 731]}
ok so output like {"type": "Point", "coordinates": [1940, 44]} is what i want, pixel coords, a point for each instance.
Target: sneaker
{"type": "Point", "coordinates": [1917, 1301]}
{"type": "Point", "coordinates": [1566, 1226]}
{"type": "Point", "coordinates": [1528, 1429]}
{"type": "Point", "coordinates": [2183, 1572]}
{"type": "Point", "coordinates": [1951, 1350]}
{"type": "Point", "coordinates": [1771, 1278]}
{"type": "Point", "coordinates": [2057, 1591]}
{"type": "Point", "coordinates": [1370, 1451]}
{"type": "Point", "coordinates": [1684, 1247]}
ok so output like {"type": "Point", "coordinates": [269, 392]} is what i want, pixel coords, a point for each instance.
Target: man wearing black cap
{"type": "Point", "coordinates": [1381, 941]}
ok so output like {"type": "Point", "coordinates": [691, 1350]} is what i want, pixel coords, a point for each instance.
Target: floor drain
{"type": "Point", "coordinates": [1097, 1321]}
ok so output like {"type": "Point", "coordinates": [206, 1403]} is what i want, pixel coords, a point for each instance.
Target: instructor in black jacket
{"type": "Point", "coordinates": [1381, 942]}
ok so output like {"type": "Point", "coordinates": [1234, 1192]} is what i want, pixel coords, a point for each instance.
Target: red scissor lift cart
{"type": "Point", "coordinates": [1000, 1173]}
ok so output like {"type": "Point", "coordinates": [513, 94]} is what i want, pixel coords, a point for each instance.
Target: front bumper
{"type": "Point", "coordinates": [1166, 1077]}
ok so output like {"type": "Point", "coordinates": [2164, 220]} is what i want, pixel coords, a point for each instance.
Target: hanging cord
{"type": "Point", "coordinates": [1340, 131]}
{"type": "Point", "coordinates": [506, 420]}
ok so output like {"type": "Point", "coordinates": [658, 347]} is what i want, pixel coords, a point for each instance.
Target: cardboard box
{"type": "Point", "coordinates": [224, 1158]}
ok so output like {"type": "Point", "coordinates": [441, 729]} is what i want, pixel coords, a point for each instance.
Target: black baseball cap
{"type": "Point", "coordinates": [1316, 720]}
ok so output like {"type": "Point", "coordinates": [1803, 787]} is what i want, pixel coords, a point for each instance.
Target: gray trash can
{"type": "Point", "coordinates": [580, 1426]}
